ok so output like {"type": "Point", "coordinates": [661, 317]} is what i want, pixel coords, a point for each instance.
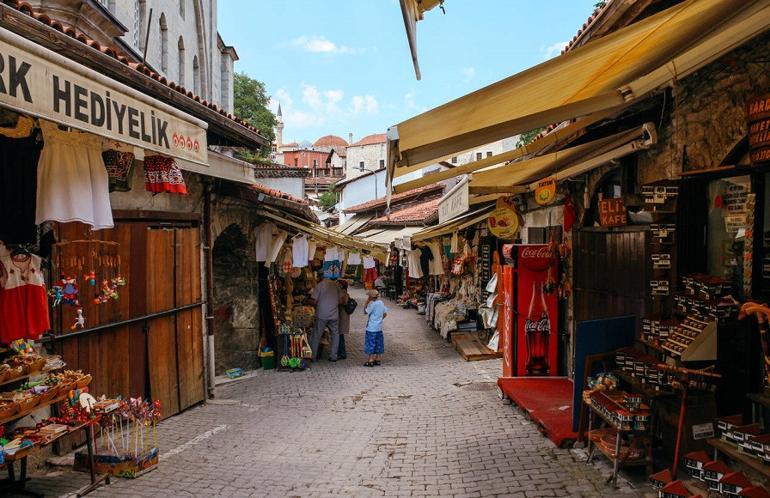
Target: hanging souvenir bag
{"type": "Point", "coordinates": [350, 306]}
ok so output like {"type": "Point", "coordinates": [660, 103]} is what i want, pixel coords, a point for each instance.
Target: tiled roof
{"type": "Point", "coordinates": [717, 466]}
{"type": "Point", "coordinates": [113, 52]}
{"type": "Point", "coordinates": [321, 180]}
{"type": "Point", "coordinates": [755, 492]}
{"type": "Point", "coordinates": [676, 488]}
{"type": "Point", "coordinates": [417, 214]}
{"type": "Point", "coordinates": [378, 203]}
{"type": "Point", "coordinates": [377, 138]}
{"type": "Point", "coordinates": [330, 141]}
{"type": "Point", "coordinates": [663, 476]}
{"type": "Point", "coordinates": [276, 193]}
{"type": "Point", "coordinates": [736, 479]}
{"type": "Point", "coordinates": [698, 456]}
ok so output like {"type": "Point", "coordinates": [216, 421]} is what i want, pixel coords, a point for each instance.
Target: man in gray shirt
{"type": "Point", "coordinates": [326, 299]}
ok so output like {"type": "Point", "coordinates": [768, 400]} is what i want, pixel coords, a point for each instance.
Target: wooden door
{"type": "Point", "coordinates": [611, 276]}
{"type": "Point", "coordinates": [161, 332]}
{"type": "Point", "coordinates": [189, 327]}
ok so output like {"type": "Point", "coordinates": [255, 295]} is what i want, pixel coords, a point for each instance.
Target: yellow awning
{"type": "Point", "coordinates": [601, 75]}
{"type": "Point", "coordinates": [453, 225]}
{"type": "Point", "coordinates": [576, 159]}
{"type": "Point", "coordinates": [324, 234]}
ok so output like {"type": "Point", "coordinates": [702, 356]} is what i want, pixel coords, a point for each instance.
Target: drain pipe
{"type": "Point", "coordinates": [209, 264]}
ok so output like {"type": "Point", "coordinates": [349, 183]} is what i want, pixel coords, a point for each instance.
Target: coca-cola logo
{"type": "Point", "coordinates": [536, 252]}
{"type": "Point", "coordinates": [542, 325]}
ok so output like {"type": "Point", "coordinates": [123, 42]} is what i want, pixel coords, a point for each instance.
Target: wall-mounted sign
{"type": "Point", "coordinates": [44, 84]}
{"type": "Point", "coordinates": [545, 191]}
{"type": "Point", "coordinates": [455, 202]}
{"type": "Point", "coordinates": [612, 213]}
{"type": "Point", "coordinates": [504, 221]}
{"type": "Point", "coordinates": [758, 120]}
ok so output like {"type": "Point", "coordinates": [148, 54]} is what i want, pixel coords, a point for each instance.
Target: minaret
{"type": "Point", "coordinates": [279, 128]}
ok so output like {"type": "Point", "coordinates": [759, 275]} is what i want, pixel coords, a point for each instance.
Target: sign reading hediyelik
{"type": "Point", "coordinates": [455, 202]}
{"type": "Point", "coordinates": [44, 85]}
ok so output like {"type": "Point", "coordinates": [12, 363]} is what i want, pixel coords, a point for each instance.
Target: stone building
{"type": "Point", "coordinates": [367, 154]}
{"type": "Point", "coordinates": [179, 37]}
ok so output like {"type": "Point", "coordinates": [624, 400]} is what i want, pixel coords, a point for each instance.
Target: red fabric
{"type": "Point", "coordinates": [161, 174]}
{"type": "Point", "coordinates": [548, 401]}
{"type": "Point", "coordinates": [23, 301]}
{"type": "Point", "coordinates": [569, 214]}
{"type": "Point", "coordinates": [370, 275]}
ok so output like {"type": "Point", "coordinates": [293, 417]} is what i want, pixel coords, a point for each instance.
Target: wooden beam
{"type": "Point", "coordinates": [510, 189]}
{"type": "Point", "coordinates": [44, 35]}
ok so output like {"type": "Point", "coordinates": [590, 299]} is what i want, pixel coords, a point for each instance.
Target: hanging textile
{"type": "Point", "coordinates": [279, 239]}
{"type": "Point", "coordinates": [455, 244]}
{"type": "Point", "coordinates": [120, 165]}
{"type": "Point", "coordinates": [413, 261]}
{"type": "Point", "coordinates": [436, 265]}
{"type": "Point", "coordinates": [370, 270]}
{"type": "Point", "coordinates": [161, 174]}
{"type": "Point", "coordinates": [312, 245]}
{"type": "Point", "coordinates": [264, 241]}
{"type": "Point", "coordinates": [23, 298]}
{"type": "Point", "coordinates": [72, 183]}
{"type": "Point", "coordinates": [354, 258]}
{"type": "Point", "coordinates": [299, 251]}
{"type": "Point", "coordinates": [331, 265]}
{"type": "Point", "coordinates": [18, 189]}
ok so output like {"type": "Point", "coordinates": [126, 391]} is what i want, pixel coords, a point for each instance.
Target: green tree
{"type": "Point", "coordinates": [527, 137]}
{"type": "Point", "coordinates": [250, 102]}
{"type": "Point", "coordinates": [327, 200]}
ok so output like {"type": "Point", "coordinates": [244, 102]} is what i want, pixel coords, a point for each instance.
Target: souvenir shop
{"type": "Point", "coordinates": [293, 252]}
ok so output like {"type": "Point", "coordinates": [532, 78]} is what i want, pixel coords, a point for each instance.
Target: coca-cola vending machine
{"type": "Point", "coordinates": [530, 311]}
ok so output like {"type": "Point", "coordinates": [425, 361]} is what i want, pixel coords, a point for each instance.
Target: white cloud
{"type": "Point", "coordinates": [320, 45]}
{"type": "Point", "coordinates": [468, 73]}
{"type": "Point", "coordinates": [409, 101]}
{"type": "Point", "coordinates": [311, 96]}
{"type": "Point", "coordinates": [365, 104]}
{"type": "Point", "coordinates": [552, 50]}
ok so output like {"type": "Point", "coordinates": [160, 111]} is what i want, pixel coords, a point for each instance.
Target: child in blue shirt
{"type": "Point", "coordinates": [374, 344]}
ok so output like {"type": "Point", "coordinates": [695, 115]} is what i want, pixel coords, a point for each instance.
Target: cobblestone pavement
{"type": "Point", "coordinates": [425, 423]}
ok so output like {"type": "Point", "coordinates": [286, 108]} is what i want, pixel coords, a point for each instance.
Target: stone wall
{"type": "Point", "coordinates": [706, 113]}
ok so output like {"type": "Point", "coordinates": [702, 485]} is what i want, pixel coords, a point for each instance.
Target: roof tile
{"type": "Point", "coordinates": [376, 203]}
{"type": "Point", "coordinates": [416, 214]}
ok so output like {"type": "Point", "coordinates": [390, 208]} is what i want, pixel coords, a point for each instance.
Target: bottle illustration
{"type": "Point", "coordinates": [537, 331]}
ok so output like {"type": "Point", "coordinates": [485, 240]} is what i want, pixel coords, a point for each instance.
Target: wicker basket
{"type": "Point", "coordinates": [28, 403]}
{"type": "Point", "coordinates": [84, 381]}
{"type": "Point", "coordinates": [8, 409]}
{"type": "Point", "coordinates": [37, 365]}
{"type": "Point", "coordinates": [47, 396]}
{"type": "Point", "coordinates": [66, 387]}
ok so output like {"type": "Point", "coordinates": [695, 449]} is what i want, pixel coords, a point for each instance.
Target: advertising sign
{"type": "Point", "coordinates": [455, 202]}
{"type": "Point", "coordinates": [504, 221]}
{"type": "Point", "coordinates": [612, 213]}
{"type": "Point", "coordinates": [545, 191]}
{"type": "Point", "coordinates": [537, 338]}
{"type": "Point", "coordinates": [758, 120]}
{"type": "Point", "coordinates": [45, 85]}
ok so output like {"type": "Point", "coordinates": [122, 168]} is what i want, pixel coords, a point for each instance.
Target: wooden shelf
{"type": "Point", "coordinates": [638, 387]}
{"type": "Point", "coordinates": [26, 452]}
{"type": "Point", "coordinates": [636, 462]}
{"type": "Point", "coordinates": [760, 398]}
{"type": "Point", "coordinates": [611, 422]}
{"type": "Point", "coordinates": [23, 414]}
{"type": "Point", "coordinates": [736, 454]}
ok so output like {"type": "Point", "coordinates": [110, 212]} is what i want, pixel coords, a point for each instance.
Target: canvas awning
{"type": "Point", "coordinates": [353, 224]}
{"type": "Point", "coordinates": [324, 234]}
{"type": "Point", "coordinates": [388, 235]}
{"type": "Point", "coordinates": [453, 225]}
{"type": "Point", "coordinates": [601, 75]}
{"type": "Point", "coordinates": [564, 163]}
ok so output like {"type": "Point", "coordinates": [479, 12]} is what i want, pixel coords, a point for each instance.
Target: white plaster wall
{"type": "Point", "coordinates": [359, 191]}
{"type": "Point", "coordinates": [293, 186]}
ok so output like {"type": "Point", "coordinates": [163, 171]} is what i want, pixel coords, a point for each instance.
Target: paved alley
{"type": "Point", "coordinates": [425, 423]}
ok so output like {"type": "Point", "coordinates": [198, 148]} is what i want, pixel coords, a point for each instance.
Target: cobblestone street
{"type": "Point", "coordinates": [425, 423]}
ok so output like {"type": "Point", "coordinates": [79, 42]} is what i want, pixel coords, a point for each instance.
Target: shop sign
{"type": "Point", "coordinates": [703, 431]}
{"type": "Point", "coordinates": [612, 213]}
{"type": "Point", "coordinates": [545, 191]}
{"type": "Point", "coordinates": [504, 221]}
{"type": "Point", "coordinates": [455, 202]}
{"type": "Point", "coordinates": [758, 119]}
{"type": "Point", "coordinates": [46, 85]}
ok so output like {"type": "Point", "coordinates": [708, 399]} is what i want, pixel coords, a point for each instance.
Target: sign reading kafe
{"type": "Point", "coordinates": [455, 202]}
{"type": "Point", "coordinates": [73, 95]}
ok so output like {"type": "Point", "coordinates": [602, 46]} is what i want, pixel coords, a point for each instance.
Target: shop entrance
{"type": "Point", "coordinates": [235, 306]}
{"type": "Point", "coordinates": [610, 273]}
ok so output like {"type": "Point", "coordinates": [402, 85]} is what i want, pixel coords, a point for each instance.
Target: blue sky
{"type": "Point", "coordinates": [340, 66]}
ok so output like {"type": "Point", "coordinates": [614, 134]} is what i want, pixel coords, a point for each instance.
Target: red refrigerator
{"type": "Point", "coordinates": [530, 311]}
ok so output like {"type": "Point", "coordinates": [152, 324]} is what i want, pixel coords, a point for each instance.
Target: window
{"type": "Point", "coordinates": [224, 85]}
{"type": "Point", "coordinates": [382, 163]}
{"type": "Point", "coordinates": [361, 165]}
{"type": "Point", "coordinates": [478, 156]}
{"type": "Point", "coordinates": [454, 159]}
{"type": "Point", "coordinates": [163, 44]}
{"type": "Point", "coordinates": [296, 162]}
{"type": "Point", "coordinates": [489, 154]}
{"type": "Point", "coordinates": [180, 75]}
{"type": "Point", "coordinates": [315, 163]}
{"type": "Point", "coordinates": [196, 76]}
{"type": "Point", "coordinates": [181, 7]}
{"type": "Point", "coordinates": [140, 28]}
